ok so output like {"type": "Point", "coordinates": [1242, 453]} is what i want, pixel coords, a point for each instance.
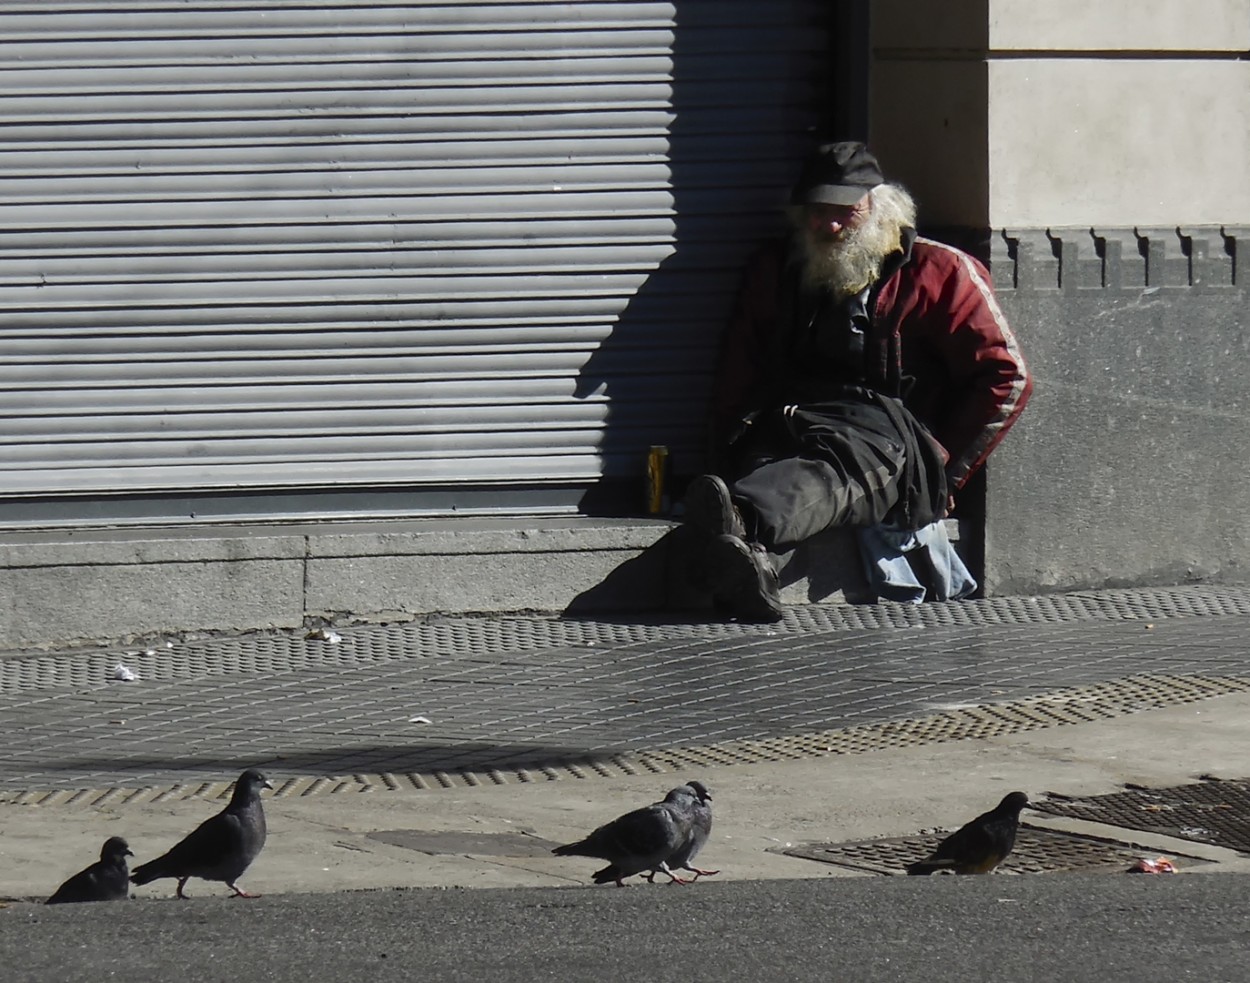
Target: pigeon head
{"type": "Point", "coordinates": [115, 849]}
{"type": "Point", "coordinates": [249, 784]}
{"type": "Point", "coordinates": [700, 790]}
{"type": "Point", "coordinates": [682, 793]}
{"type": "Point", "coordinates": [1013, 802]}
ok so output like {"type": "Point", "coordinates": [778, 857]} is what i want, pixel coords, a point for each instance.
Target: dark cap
{"type": "Point", "coordinates": [837, 174]}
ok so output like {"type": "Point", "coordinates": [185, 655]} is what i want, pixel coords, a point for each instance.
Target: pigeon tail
{"type": "Point", "coordinates": [151, 871]}
{"type": "Point", "coordinates": [924, 868]}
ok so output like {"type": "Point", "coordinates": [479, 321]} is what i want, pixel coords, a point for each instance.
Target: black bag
{"type": "Point", "coordinates": [857, 429]}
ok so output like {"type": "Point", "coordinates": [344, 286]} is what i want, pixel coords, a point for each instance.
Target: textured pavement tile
{"type": "Point", "coordinates": [493, 693]}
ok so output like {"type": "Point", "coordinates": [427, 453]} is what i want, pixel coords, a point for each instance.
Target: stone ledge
{"type": "Point", "coordinates": [74, 586]}
{"type": "Point", "coordinates": [67, 586]}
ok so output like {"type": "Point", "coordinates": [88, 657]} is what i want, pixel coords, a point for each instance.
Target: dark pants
{"type": "Point", "coordinates": [855, 461]}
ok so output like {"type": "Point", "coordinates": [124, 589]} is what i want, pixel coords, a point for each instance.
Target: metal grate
{"type": "Point", "coordinates": [1215, 812]}
{"type": "Point", "coordinates": [1037, 851]}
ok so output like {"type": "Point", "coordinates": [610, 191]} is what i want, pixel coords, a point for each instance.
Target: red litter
{"type": "Point", "coordinates": [1160, 865]}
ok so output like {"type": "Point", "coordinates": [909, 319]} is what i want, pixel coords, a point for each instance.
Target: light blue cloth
{"type": "Point", "coordinates": [884, 549]}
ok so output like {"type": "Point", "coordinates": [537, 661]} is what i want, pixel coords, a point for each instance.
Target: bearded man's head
{"type": "Point", "coordinates": [846, 258]}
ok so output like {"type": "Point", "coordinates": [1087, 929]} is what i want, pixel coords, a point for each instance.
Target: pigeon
{"type": "Point", "coordinates": [980, 845]}
{"type": "Point", "coordinates": [222, 847]}
{"type": "Point", "coordinates": [105, 880]}
{"type": "Point", "coordinates": [700, 830]}
{"type": "Point", "coordinates": [641, 840]}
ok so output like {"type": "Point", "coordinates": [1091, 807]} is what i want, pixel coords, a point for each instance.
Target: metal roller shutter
{"type": "Point", "coordinates": [277, 247]}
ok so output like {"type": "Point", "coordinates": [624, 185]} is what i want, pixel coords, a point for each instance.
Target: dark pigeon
{"type": "Point", "coordinates": [640, 840]}
{"type": "Point", "coordinates": [980, 845]}
{"type": "Point", "coordinates": [220, 848]}
{"type": "Point", "coordinates": [107, 879]}
{"type": "Point", "coordinates": [700, 830]}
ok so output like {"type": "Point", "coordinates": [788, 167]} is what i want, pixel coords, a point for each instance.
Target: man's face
{"type": "Point", "coordinates": [845, 245]}
{"type": "Point", "coordinates": [829, 222]}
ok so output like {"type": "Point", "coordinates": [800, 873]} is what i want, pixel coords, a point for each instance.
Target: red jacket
{"type": "Point", "coordinates": [936, 337]}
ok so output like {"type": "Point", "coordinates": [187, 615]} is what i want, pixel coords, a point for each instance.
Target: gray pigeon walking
{"type": "Point", "coordinates": [641, 840]}
{"type": "Point", "coordinates": [700, 830]}
{"type": "Point", "coordinates": [222, 847]}
{"type": "Point", "coordinates": [107, 879]}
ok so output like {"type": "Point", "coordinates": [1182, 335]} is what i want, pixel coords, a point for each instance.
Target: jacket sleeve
{"type": "Point", "coordinates": [744, 345]}
{"type": "Point", "coordinates": [989, 381]}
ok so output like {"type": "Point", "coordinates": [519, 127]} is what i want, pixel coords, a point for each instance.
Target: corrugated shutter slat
{"type": "Point", "coordinates": [252, 245]}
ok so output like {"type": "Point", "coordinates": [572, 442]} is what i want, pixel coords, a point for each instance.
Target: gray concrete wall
{"type": "Point", "coordinates": [1130, 465]}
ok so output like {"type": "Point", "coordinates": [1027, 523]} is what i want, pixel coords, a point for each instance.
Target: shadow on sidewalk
{"type": "Point", "coordinates": [328, 762]}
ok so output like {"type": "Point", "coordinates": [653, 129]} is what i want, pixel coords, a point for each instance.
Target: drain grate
{"type": "Point", "coordinates": [1037, 851]}
{"type": "Point", "coordinates": [1215, 812]}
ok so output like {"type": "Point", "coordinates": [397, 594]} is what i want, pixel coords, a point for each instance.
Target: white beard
{"type": "Point", "coordinates": [850, 262]}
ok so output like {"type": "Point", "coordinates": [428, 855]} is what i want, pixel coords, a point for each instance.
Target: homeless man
{"type": "Point", "coordinates": [865, 374]}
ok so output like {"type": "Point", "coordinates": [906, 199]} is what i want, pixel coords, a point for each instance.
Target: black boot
{"type": "Point", "coordinates": [743, 580]}
{"type": "Point", "coordinates": [710, 509]}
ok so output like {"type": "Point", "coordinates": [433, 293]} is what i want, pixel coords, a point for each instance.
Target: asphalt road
{"type": "Point", "coordinates": [1042, 927]}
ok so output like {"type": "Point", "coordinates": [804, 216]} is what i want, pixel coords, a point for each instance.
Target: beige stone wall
{"type": "Point", "coordinates": [1067, 112]}
{"type": "Point", "coordinates": [1118, 25]}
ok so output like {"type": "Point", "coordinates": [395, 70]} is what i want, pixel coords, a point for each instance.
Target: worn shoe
{"type": "Point", "coordinates": [743, 580]}
{"type": "Point", "coordinates": [710, 509]}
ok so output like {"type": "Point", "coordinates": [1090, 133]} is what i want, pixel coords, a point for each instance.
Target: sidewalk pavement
{"type": "Point", "coordinates": [454, 752]}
